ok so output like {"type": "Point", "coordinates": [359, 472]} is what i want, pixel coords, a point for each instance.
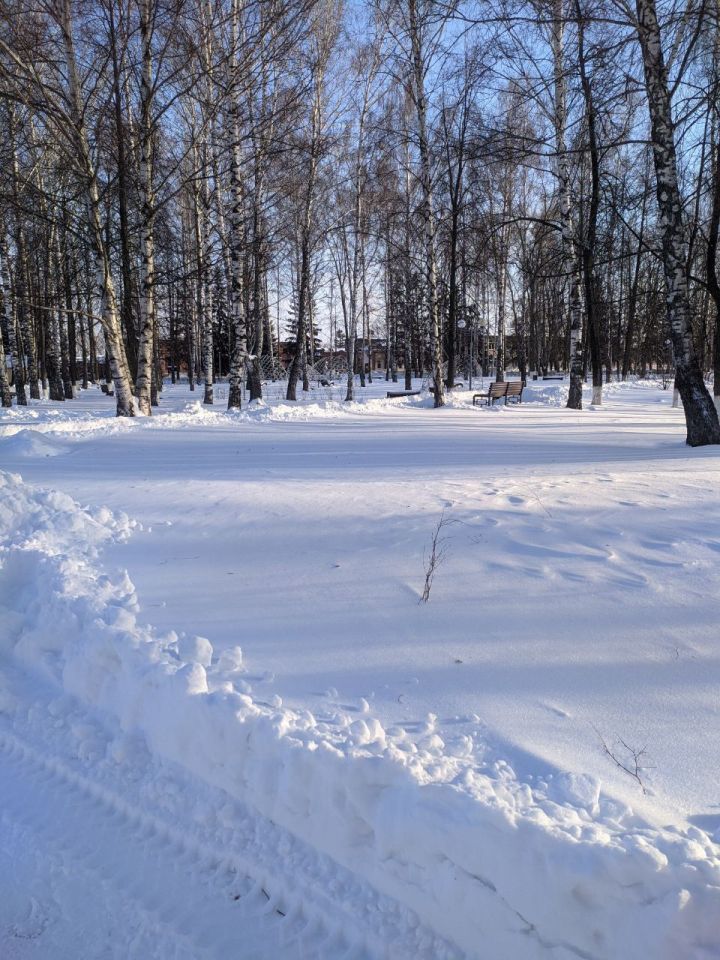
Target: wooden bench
{"type": "Point", "coordinates": [554, 376]}
{"type": "Point", "coordinates": [514, 391]}
{"type": "Point", "coordinates": [496, 392]}
{"type": "Point", "coordinates": [402, 393]}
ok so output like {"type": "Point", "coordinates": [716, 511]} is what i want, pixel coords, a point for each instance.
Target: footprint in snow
{"type": "Point", "coordinates": [575, 577]}
{"type": "Point", "coordinates": [557, 711]}
{"type": "Point", "coordinates": [629, 580]}
{"type": "Point", "coordinates": [33, 924]}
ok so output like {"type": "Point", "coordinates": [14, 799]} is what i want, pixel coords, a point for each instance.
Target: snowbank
{"type": "Point", "coordinates": [32, 443]}
{"type": "Point", "coordinates": [500, 869]}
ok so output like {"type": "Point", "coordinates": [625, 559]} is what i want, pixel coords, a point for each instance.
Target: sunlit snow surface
{"type": "Point", "coordinates": [447, 755]}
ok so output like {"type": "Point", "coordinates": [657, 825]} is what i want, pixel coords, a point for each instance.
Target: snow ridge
{"type": "Point", "coordinates": [497, 868]}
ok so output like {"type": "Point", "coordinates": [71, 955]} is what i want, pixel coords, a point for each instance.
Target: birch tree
{"type": "Point", "coordinates": [143, 381]}
{"type": "Point", "coordinates": [570, 269]}
{"type": "Point", "coordinates": [321, 42]}
{"type": "Point", "coordinates": [701, 417]}
{"type": "Point", "coordinates": [5, 392]}
{"type": "Point", "coordinates": [419, 25]}
{"type": "Point", "coordinates": [115, 347]}
{"type": "Point", "coordinates": [238, 315]}
{"type": "Point", "coordinates": [8, 322]}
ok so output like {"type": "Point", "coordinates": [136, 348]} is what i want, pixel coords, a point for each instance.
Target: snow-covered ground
{"type": "Point", "coordinates": [369, 775]}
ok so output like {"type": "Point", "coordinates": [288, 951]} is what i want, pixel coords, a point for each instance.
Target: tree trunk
{"type": "Point", "coordinates": [126, 308]}
{"type": "Point", "coordinates": [632, 300]}
{"type": "Point", "coordinates": [7, 322]}
{"type": "Point", "coordinates": [713, 283]}
{"type": "Point", "coordinates": [701, 417]}
{"type": "Point", "coordinates": [428, 217]}
{"type": "Point", "coordinates": [408, 289]}
{"type": "Point", "coordinates": [143, 381]}
{"type": "Point", "coordinates": [115, 347]}
{"type": "Point", "coordinates": [588, 253]}
{"type": "Point", "coordinates": [574, 401]}
{"type": "Point", "coordinates": [452, 296]}
{"type": "Point", "coordinates": [70, 314]}
{"type": "Point", "coordinates": [52, 343]}
{"type": "Point", "coordinates": [5, 394]}
{"type": "Point", "coordinates": [237, 304]}
{"type": "Point", "coordinates": [299, 362]}
{"type": "Point", "coordinates": [26, 332]}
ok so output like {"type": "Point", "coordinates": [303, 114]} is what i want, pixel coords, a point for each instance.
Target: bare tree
{"type": "Point", "coordinates": [701, 417]}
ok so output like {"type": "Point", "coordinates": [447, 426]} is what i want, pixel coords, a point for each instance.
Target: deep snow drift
{"type": "Point", "coordinates": [447, 755]}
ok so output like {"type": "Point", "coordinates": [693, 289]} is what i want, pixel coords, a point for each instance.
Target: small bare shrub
{"type": "Point", "coordinates": [436, 555]}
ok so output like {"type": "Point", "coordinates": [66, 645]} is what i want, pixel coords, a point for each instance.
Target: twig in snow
{"type": "Point", "coordinates": [436, 556]}
{"type": "Point", "coordinates": [632, 764]}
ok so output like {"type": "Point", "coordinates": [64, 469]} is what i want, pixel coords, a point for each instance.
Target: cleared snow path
{"type": "Point", "coordinates": [149, 886]}
{"type": "Point", "coordinates": [128, 858]}
{"type": "Point", "coordinates": [173, 900]}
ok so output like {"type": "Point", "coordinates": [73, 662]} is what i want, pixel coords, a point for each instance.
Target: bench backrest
{"type": "Point", "coordinates": [515, 388]}
{"type": "Point", "coordinates": [498, 389]}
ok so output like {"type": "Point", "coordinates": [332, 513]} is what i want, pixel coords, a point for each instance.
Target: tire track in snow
{"type": "Point", "coordinates": [192, 904]}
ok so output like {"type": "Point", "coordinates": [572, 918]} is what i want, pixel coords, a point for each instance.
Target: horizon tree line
{"type": "Point", "coordinates": [544, 174]}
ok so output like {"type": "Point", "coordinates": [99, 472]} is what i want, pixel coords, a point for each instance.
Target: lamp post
{"type": "Point", "coordinates": [461, 324]}
{"type": "Point", "coordinates": [484, 331]}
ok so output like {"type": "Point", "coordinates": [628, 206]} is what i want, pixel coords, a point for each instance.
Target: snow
{"type": "Point", "coordinates": [267, 643]}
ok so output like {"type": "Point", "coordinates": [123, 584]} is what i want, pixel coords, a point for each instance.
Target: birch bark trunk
{"type": "Point", "coordinates": [428, 216]}
{"type": "Point", "coordinates": [70, 326]}
{"type": "Point", "coordinates": [116, 356]}
{"type": "Point", "coordinates": [351, 327]}
{"type": "Point", "coordinates": [407, 312]}
{"type": "Point", "coordinates": [701, 417]}
{"type": "Point", "coordinates": [206, 294]}
{"type": "Point", "coordinates": [143, 381]}
{"type": "Point", "coordinates": [203, 253]}
{"type": "Point", "coordinates": [7, 322]}
{"type": "Point", "coordinates": [5, 394]}
{"type": "Point", "coordinates": [566, 222]}
{"type": "Point", "coordinates": [127, 322]}
{"type": "Point", "coordinates": [53, 349]}
{"type": "Point", "coordinates": [265, 124]}
{"type": "Point", "coordinates": [713, 281]}
{"type": "Point", "coordinates": [588, 251]}
{"type": "Point", "coordinates": [258, 327]}
{"type": "Point", "coordinates": [239, 356]}
{"type": "Point", "coordinates": [206, 153]}
{"type": "Point", "coordinates": [299, 363]}
{"type": "Point", "coordinates": [633, 294]}
{"type": "Point", "coordinates": [25, 335]}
